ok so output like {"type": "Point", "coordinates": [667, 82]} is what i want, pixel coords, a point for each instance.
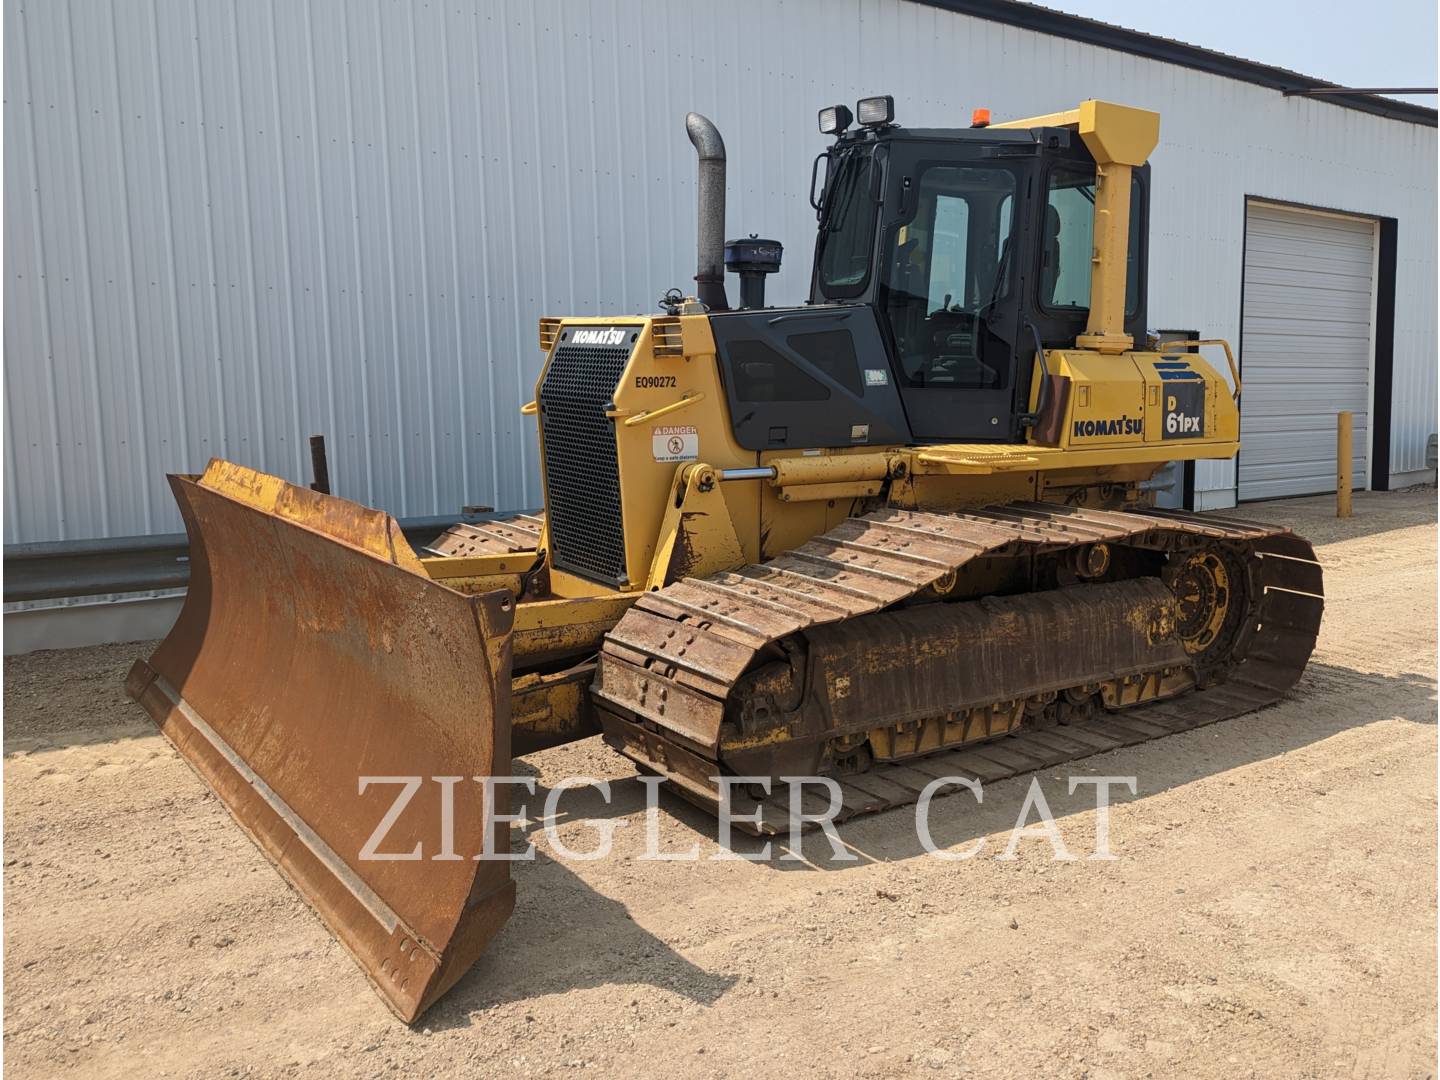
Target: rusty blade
{"type": "Point", "coordinates": [312, 652]}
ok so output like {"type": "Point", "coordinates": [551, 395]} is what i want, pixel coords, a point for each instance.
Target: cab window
{"type": "Point", "coordinates": [847, 230]}
{"type": "Point", "coordinates": [945, 270]}
{"type": "Point", "coordinates": [1067, 239]}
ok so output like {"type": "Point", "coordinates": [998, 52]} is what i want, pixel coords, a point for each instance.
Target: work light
{"type": "Point", "coordinates": [834, 119]}
{"type": "Point", "coordinates": [876, 111]}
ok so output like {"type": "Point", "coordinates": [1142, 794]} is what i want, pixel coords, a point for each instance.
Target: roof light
{"type": "Point", "coordinates": [834, 119]}
{"type": "Point", "coordinates": [980, 118]}
{"type": "Point", "coordinates": [876, 111]}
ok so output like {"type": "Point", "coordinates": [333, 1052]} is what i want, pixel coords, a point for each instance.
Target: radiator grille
{"type": "Point", "coordinates": [582, 475]}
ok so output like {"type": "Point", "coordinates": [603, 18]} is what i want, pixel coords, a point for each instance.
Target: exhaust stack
{"type": "Point", "coordinates": [710, 262]}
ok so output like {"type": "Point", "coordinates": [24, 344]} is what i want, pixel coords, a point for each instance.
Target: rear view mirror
{"type": "Point", "coordinates": [817, 197]}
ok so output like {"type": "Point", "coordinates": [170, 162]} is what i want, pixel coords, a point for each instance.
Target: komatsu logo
{"type": "Point", "coordinates": [1121, 425]}
{"type": "Point", "coordinates": [600, 336]}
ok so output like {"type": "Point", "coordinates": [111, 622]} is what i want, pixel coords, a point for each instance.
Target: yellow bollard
{"type": "Point", "coordinates": [1343, 455]}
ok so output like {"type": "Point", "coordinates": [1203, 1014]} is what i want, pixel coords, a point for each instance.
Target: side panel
{"type": "Point", "coordinates": [1167, 406]}
{"type": "Point", "coordinates": [807, 378]}
{"type": "Point", "coordinates": [670, 412]}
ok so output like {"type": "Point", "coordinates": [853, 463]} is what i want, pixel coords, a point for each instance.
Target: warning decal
{"type": "Point", "coordinates": [680, 443]}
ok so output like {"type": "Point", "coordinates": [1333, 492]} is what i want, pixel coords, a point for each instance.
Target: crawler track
{"type": "Point", "coordinates": [669, 666]}
{"type": "Point", "coordinates": [502, 537]}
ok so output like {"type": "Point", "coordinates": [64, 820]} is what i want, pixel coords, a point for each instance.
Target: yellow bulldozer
{"type": "Point", "coordinates": [903, 531]}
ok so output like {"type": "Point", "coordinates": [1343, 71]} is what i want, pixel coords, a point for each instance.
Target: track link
{"type": "Point", "coordinates": [668, 666]}
{"type": "Point", "coordinates": [505, 536]}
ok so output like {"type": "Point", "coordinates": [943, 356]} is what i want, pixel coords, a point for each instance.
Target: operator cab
{"type": "Point", "coordinates": [944, 259]}
{"type": "Point", "coordinates": [971, 246]}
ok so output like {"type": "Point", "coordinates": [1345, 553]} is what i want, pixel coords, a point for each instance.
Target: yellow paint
{"type": "Point", "coordinates": [360, 527]}
{"type": "Point", "coordinates": [471, 584]}
{"type": "Point", "coordinates": [545, 703]}
{"type": "Point", "coordinates": [1105, 327]}
{"type": "Point", "coordinates": [550, 709]}
{"type": "Point", "coordinates": [733, 739]}
{"type": "Point", "coordinates": [1118, 134]}
{"type": "Point", "coordinates": [920, 737]}
{"type": "Point", "coordinates": [243, 484]}
{"type": "Point", "coordinates": [1203, 567]}
{"type": "Point", "coordinates": [1149, 686]}
{"type": "Point", "coordinates": [1344, 456]}
{"type": "Point", "coordinates": [686, 400]}
{"type": "Point", "coordinates": [697, 536]}
{"type": "Point", "coordinates": [550, 629]}
{"type": "Point", "coordinates": [1067, 118]}
{"type": "Point", "coordinates": [560, 614]}
{"type": "Point", "coordinates": [847, 491]}
{"type": "Point", "coordinates": [786, 524]}
{"type": "Point", "coordinates": [834, 468]}
{"type": "Point", "coordinates": [1121, 390]}
{"type": "Point", "coordinates": [1172, 346]}
{"type": "Point", "coordinates": [441, 567]}
{"type": "Point", "coordinates": [653, 381]}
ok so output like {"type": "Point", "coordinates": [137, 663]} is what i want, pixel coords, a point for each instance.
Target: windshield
{"type": "Point", "coordinates": [848, 228]}
{"type": "Point", "coordinates": [945, 271]}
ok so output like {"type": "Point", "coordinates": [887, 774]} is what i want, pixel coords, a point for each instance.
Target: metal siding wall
{"type": "Point", "coordinates": [233, 224]}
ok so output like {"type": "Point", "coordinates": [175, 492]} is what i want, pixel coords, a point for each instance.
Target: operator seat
{"type": "Point", "coordinates": [1050, 272]}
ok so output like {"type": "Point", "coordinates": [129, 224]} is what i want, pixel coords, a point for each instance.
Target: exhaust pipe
{"type": "Point", "coordinates": [710, 265]}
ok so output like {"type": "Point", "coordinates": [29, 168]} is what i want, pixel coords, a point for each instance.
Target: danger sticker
{"type": "Point", "coordinates": [675, 443]}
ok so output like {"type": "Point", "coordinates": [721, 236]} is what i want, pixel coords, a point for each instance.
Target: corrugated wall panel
{"type": "Point", "coordinates": [233, 224]}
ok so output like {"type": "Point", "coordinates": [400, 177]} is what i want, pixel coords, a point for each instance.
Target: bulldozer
{"type": "Point", "coordinates": [903, 531]}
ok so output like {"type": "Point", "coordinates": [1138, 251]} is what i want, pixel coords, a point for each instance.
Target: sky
{"type": "Point", "coordinates": [1378, 43]}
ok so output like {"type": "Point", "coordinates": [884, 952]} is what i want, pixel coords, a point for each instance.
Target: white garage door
{"type": "Point", "coordinates": [1306, 344]}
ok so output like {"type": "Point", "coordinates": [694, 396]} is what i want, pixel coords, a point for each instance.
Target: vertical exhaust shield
{"type": "Point", "coordinates": [710, 262]}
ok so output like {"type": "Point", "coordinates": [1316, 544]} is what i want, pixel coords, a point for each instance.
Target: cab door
{"type": "Point", "coordinates": [948, 264]}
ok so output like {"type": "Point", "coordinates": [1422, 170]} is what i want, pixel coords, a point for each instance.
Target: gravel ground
{"type": "Point", "coordinates": [1271, 912]}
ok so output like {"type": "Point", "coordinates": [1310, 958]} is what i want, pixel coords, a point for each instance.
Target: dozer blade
{"type": "Point", "coordinates": [313, 652]}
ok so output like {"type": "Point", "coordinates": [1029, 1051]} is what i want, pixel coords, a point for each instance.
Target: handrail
{"type": "Point", "coordinates": [664, 410]}
{"type": "Point", "coordinates": [1172, 346]}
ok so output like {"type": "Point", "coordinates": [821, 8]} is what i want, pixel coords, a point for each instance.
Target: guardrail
{"type": "Point", "coordinates": [59, 569]}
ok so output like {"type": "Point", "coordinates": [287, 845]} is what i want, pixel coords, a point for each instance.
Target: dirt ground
{"type": "Point", "coordinates": [1271, 912]}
